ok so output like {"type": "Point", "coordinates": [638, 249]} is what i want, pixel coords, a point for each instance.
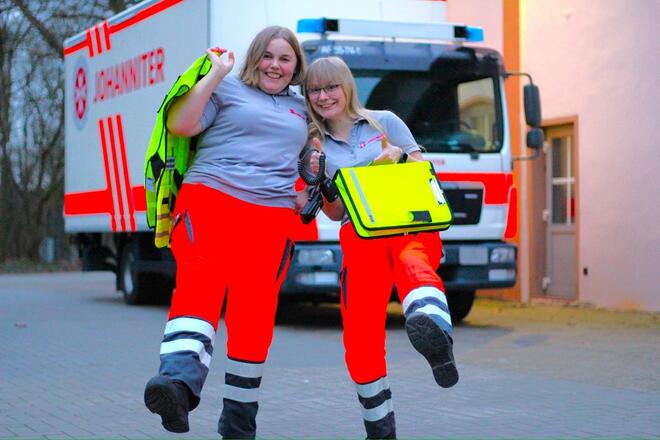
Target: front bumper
{"type": "Point", "coordinates": [315, 266]}
{"type": "Point", "coordinates": [469, 266]}
{"type": "Point", "coordinates": [314, 270]}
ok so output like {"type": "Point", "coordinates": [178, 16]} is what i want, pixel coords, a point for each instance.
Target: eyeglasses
{"type": "Point", "coordinates": [316, 91]}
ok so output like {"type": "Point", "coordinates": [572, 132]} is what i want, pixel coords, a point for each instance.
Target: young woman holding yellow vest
{"type": "Point", "coordinates": [351, 135]}
{"type": "Point", "coordinates": [232, 227]}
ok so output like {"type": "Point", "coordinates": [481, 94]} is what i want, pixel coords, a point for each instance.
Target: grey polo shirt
{"type": "Point", "coordinates": [250, 143]}
{"type": "Point", "coordinates": [364, 145]}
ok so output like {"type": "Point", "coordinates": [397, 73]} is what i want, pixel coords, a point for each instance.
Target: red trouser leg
{"type": "Point", "coordinates": [420, 289]}
{"type": "Point", "coordinates": [416, 258]}
{"type": "Point", "coordinates": [366, 289]}
{"type": "Point", "coordinates": [260, 259]}
{"type": "Point", "coordinates": [369, 268]}
{"type": "Point", "coordinates": [222, 244]}
{"type": "Point", "coordinates": [197, 244]}
{"type": "Point", "coordinates": [260, 265]}
{"type": "Point", "coordinates": [188, 340]}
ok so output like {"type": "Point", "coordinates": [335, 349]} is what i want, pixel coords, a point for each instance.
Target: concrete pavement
{"type": "Point", "coordinates": [75, 359]}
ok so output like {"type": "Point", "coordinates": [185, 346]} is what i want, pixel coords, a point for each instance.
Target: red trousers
{"type": "Point", "coordinates": [230, 250]}
{"type": "Point", "coordinates": [370, 268]}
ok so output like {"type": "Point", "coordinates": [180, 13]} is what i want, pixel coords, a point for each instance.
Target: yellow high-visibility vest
{"type": "Point", "coordinates": [168, 157]}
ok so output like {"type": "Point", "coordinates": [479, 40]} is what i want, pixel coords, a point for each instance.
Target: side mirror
{"type": "Point", "coordinates": [535, 138]}
{"type": "Point", "coordinates": [532, 101]}
{"type": "Point", "coordinates": [532, 105]}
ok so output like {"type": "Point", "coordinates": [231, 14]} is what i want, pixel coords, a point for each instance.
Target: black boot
{"type": "Point", "coordinates": [384, 428]}
{"type": "Point", "coordinates": [238, 420]}
{"type": "Point", "coordinates": [170, 399]}
{"type": "Point", "coordinates": [435, 345]}
{"type": "Point", "coordinates": [240, 402]}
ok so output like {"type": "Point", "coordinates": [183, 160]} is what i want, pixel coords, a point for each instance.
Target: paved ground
{"type": "Point", "coordinates": [74, 360]}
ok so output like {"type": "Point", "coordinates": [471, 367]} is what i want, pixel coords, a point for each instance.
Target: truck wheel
{"type": "Point", "coordinates": [94, 255]}
{"type": "Point", "coordinates": [137, 287]}
{"type": "Point", "coordinates": [460, 303]}
{"type": "Point", "coordinates": [92, 258]}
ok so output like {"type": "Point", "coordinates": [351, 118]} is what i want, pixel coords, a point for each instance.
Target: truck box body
{"type": "Point", "coordinates": [119, 71]}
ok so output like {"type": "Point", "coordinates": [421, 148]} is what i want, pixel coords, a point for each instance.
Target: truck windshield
{"type": "Point", "coordinates": [446, 115]}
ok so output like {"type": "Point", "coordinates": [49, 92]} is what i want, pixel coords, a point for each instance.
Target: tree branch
{"type": "Point", "coordinates": [53, 40]}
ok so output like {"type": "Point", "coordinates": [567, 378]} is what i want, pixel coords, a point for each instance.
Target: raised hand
{"type": "Point", "coordinates": [389, 153]}
{"type": "Point", "coordinates": [317, 146]}
{"type": "Point", "coordinates": [222, 66]}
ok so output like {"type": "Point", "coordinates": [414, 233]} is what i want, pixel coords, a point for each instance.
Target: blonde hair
{"type": "Point", "coordinates": [250, 69]}
{"type": "Point", "coordinates": [333, 70]}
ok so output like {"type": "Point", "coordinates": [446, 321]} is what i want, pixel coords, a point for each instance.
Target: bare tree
{"type": "Point", "coordinates": [32, 115]}
{"type": "Point", "coordinates": [51, 38]}
{"type": "Point", "coordinates": [12, 31]}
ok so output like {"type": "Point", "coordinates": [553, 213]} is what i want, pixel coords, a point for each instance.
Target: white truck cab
{"type": "Point", "coordinates": [404, 58]}
{"type": "Point", "coordinates": [451, 96]}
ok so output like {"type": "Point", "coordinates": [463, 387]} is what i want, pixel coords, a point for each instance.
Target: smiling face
{"type": "Point", "coordinates": [328, 101]}
{"type": "Point", "coordinates": [331, 95]}
{"type": "Point", "coordinates": [277, 66]}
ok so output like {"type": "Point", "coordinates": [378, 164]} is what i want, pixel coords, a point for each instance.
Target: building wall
{"type": "Point", "coordinates": [598, 62]}
{"type": "Point", "coordinates": [601, 62]}
{"type": "Point", "coordinates": [482, 13]}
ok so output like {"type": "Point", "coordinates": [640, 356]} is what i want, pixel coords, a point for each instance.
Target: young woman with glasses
{"type": "Point", "coordinates": [351, 135]}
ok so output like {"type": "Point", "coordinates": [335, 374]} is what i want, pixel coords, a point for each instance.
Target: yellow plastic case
{"type": "Point", "coordinates": [396, 199]}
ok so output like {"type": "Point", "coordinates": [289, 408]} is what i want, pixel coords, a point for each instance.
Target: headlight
{"type": "Point", "coordinates": [315, 257]}
{"type": "Point", "coordinates": [503, 255]}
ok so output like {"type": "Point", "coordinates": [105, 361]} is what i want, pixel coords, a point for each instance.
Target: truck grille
{"type": "Point", "coordinates": [465, 204]}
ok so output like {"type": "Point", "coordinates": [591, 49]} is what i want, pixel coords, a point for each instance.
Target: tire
{"type": "Point", "coordinates": [91, 259]}
{"type": "Point", "coordinates": [94, 255]}
{"type": "Point", "coordinates": [137, 287]}
{"type": "Point", "coordinates": [460, 303]}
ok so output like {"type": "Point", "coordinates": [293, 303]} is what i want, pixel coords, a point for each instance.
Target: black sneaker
{"type": "Point", "coordinates": [169, 399]}
{"type": "Point", "coordinates": [435, 345]}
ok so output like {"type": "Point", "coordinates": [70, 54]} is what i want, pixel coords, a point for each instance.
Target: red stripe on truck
{"type": "Point", "coordinates": [90, 202]}
{"type": "Point", "coordinates": [496, 185]}
{"type": "Point", "coordinates": [99, 202]}
{"type": "Point", "coordinates": [115, 166]}
{"type": "Point", "coordinates": [88, 42]}
{"type": "Point", "coordinates": [124, 165]}
{"type": "Point", "coordinates": [111, 208]}
{"type": "Point", "coordinates": [498, 190]}
{"type": "Point", "coordinates": [112, 28]}
{"type": "Point", "coordinates": [144, 14]}
{"type": "Point", "coordinates": [139, 198]}
{"type": "Point", "coordinates": [75, 48]}
{"type": "Point", "coordinates": [97, 35]}
{"type": "Point", "coordinates": [512, 214]}
{"type": "Point", "coordinates": [106, 35]}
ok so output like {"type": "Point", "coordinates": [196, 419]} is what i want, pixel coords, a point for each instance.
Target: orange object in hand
{"type": "Point", "coordinates": [218, 50]}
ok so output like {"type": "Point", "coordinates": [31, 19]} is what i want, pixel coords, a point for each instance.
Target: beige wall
{"type": "Point", "coordinates": [482, 13]}
{"type": "Point", "coordinates": [599, 61]}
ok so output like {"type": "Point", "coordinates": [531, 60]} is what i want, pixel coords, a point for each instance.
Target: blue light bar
{"type": "Point", "coordinates": [389, 29]}
{"type": "Point", "coordinates": [474, 33]}
{"type": "Point", "coordinates": [316, 25]}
